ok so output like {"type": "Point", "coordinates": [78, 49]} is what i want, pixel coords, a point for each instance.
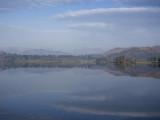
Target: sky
{"type": "Point", "coordinates": [74, 24]}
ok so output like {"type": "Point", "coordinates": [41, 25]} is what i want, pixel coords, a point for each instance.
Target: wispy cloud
{"type": "Point", "coordinates": [123, 16]}
{"type": "Point", "coordinates": [150, 3]}
{"type": "Point", "coordinates": [33, 30]}
{"type": "Point", "coordinates": [103, 11]}
{"type": "Point", "coordinates": [5, 9]}
{"type": "Point", "coordinates": [14, 4]}
{"type": "Point", "coordinates": [88, 25]}
{"type": "Point", "coordinates": [119, 24]}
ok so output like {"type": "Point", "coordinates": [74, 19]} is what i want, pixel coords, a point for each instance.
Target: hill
{"type": "Point", "coordinates": [2, 53]}
{"type": "Point", "coordinates": [115, 51]}
{"type": "Point", "coordinates": [88, 51]}
{"type": "Point", "coordinates": [140, 52]}
{"type": "Point", "coordinates": [25, 51]}
{"type": "Point", "coordinates": [42, 52]}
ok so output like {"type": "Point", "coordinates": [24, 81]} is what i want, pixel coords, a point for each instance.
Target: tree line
{"type": "Point", "coordinates": [45, 60]}
{"type": "Point", "coordinates": [123, 59]}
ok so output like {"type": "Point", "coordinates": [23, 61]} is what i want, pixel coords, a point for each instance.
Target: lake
{"type": "Point", "coordinates": [93, 93]}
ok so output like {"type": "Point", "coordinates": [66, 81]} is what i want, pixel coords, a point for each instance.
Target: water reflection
{"type": "Point", "coordinates": [141, 70]}
{"type": "Point", "coordinates": [95, 93]}
{"type": "Point", "coordinates": [121, 103]}
{"type": "Point", "coordinates": [135, 70]}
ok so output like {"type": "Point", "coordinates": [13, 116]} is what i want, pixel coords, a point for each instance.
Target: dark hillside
{"type": "Point", "coordinates": [140, 52]}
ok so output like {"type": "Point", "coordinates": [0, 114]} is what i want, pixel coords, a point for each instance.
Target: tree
{"type": "Point", "coordinates": [120, 59]}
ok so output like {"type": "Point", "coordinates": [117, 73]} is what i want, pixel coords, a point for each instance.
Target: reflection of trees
{"type": "Point", "coordinates": [46, 66]}
{"type": "Point", "coordinates": [121, 66]}
{"type": "Point", "coordinates": [154, 65]}
{"type": "Point", "coordinates": [143, 70]}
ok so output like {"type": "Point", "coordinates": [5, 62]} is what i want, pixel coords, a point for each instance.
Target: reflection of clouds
{"type": "Point", "coordinates": [105, 112]}
{"type": "Point", "coordinates": [12, 115]}
{"type": "Point", "coordinates": [102, 94]}
{"type": "Point", "coordinates": [88, 71]}
{"type": "Point", "coordinates": [21, 93]}
{"type": "Point", "coordinates": [140, 91]}
{"type": "Point", "coordinates": [94, 95]}
{"type": "Point", "coordinates": [92, 98]}
{"type": "Point", "coordinates": [121, 103]}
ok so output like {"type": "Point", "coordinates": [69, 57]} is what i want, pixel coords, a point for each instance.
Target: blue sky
{"type": "Point", "coordinates": [73, 24]}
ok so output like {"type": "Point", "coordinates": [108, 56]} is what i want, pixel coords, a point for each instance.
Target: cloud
{"type": "Point", "coordinates": [14, 4]}
{"type": "Point", "coordinates": [131, 26]}
{"type": "Point", "coordinates": [5, 9]}
{"type": "Point", "coordinates": [92, 27]}
{"type": "Point", "coordinates": [105, 14]}
{"type": "Point", "coordinates": [32, 30]}
{"type": "Point", "coordinates": [146, 17]}
{"type": "Point", "coordinates": [103, 11]}
{"type": "Point", "coordinates": [151, 3]}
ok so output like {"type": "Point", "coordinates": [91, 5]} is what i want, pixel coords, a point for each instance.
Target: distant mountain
{"type": "Point", "coordinates": [25, 51]}
{"type": "Point", "coordinates": [1, 52]}
{"type": "Point", "coordinates": [87, 51]}
{"type": "Point", "coordinates": [42, 52]}
{"type": "Point", "coordinates": [141, 52]}
{"type": "Point", "coordinates": [13, 50]}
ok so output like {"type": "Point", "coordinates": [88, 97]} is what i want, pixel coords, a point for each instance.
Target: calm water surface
{"type": "Point", "coordinates": [77, 94]}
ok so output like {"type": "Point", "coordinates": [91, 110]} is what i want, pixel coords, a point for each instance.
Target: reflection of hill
{"type": "Point", "coordinates": [140, 70]}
